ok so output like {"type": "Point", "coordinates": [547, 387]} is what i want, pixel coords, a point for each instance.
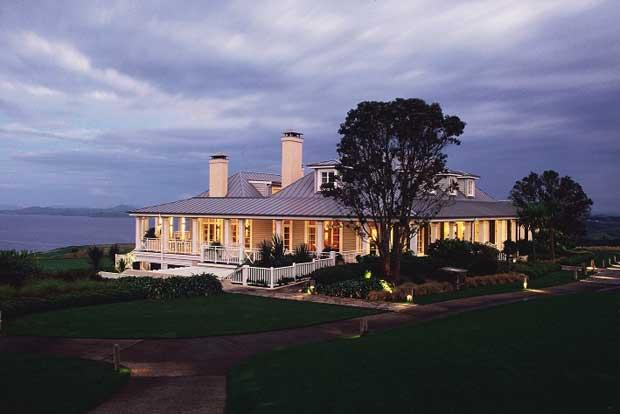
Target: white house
{"type": "Point", "coordinates": [228, 222]}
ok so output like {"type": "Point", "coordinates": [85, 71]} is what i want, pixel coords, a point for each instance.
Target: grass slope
{"type": "Point", "coordinates": [202, 316]}
{"type": "Point", "coordinates": [44, 384]}
{"type": "Point", "coordinates": [541, 356]}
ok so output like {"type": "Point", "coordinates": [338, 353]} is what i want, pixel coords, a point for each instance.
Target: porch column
{"type": "Point", "coordinates": [195, 236]}
{"type": "Point", "coordinates": [453, 230]}
{"type": "Point", "coordinates": [513, 230]}
{"type": "Point", "coordinates": [241, 237]}
{"type": "Point", "coordinates": [138, 233]}
{"type": "Point", "coordinates": [227, 232]}
{"type": "Point", "coordinates": [413, 243]}
{"type": "Point", "coordinates": [467, 232]}
{"type": "Point", "coordinates": [158, 225]}
{"type": "Point", "coordinates": [171, 227]}
{"type": "Point", "coordinates": [279, 226]}
{"type": "Point", "coordinates": [182, 227]}
{"type": "Point", "coordinates": [365, 243]}
{"type": "Point", "coordinates": [165, 235]}
{"type": "Point", "coordinates": [434, 232]}
{"type": "Point", "coordinates": [482, 231]}
{"type": "Point", "coordinates": [320, 236]}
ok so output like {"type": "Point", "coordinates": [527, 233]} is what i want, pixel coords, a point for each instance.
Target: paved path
{"type": "Point", "coordinates": [189, 375]}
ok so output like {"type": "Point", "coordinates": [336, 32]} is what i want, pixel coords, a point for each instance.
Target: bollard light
{"type": "Point", "coordinates": [525, 282]}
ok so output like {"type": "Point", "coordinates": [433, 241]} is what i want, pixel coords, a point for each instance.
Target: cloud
{"type": "Point", "coordinates": [132, 98]}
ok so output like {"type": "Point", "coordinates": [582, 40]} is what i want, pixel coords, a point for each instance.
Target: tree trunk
{"type": "Point", "coordinates": [552, 242]}
{"type": "Point", "coordinates": [395, 254]}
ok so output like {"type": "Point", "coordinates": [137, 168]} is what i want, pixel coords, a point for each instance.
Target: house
{"type": "Point", "coordinates": [227, 223]}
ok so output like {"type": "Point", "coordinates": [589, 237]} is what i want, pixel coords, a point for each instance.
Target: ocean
{"type": "Point", "coordinates": [40, 233]}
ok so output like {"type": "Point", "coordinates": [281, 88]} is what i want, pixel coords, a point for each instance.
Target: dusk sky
{"type": "Point", "coordinates": [103, 103]}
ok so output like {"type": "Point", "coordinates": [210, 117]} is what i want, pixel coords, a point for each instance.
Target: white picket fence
{"type": "Point", "coordinates": [271, 277]}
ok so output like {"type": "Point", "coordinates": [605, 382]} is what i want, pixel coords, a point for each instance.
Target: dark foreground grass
{"type": "Point", "coordinates": [553, 355]}
{"type": "Point", "coordinates": [552, 279]}
{"type": "Point", "coordinates": [202, 316]}
{"type": "Point", "coordinates": [44, 384]}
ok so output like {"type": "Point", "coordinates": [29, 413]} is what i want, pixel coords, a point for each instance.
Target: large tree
{"type": "Point", "coordinates": [555, 208]}
{"type": "Point", "coordinates": [391, 156]}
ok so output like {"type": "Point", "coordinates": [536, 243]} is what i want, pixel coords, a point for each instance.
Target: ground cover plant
{"type": "Point", "coordinates": [525, 357]}
{"type": "Point", "coordinates": [46, 384]}
{"type": "Point", "coordinates": [189, 317]}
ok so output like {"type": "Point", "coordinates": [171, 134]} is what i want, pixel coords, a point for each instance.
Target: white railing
{"type": "Point", "coordinates": [151, 245]}
{"type": "Point", "coordinates": [273, 276]}
{"type": "Point", "coordinates": [179, 246]}
{"type": "Point", "coordinates": [174, 246]}
{"type": "Point", "coordinates": [228, 254]}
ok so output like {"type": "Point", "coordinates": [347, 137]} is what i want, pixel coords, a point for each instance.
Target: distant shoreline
{"type": "Point", "coordinates": [118, 211]}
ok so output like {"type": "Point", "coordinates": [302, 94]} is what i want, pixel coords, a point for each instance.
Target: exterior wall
{"type": "Point", "coordinates": [299, 229]}
{"type": "Point", "coordinates": [349, 238]}
{"type": "Point", "coordinates": [261, 230]}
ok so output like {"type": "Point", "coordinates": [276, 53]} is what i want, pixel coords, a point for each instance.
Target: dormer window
{"type": "Point", "coordinates": [328, 177]}
{"type": "Point", "coordinates": [324, 176]}
{"type": "Point", "coordinates": [470, 189]}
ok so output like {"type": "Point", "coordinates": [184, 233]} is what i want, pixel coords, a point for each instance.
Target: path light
{"type": "Point", "coordinates": [525, 282]}
{"type": "Point", "coordinates": [410, 298]}
{"type": "Point", "coordinates": [367, 274]}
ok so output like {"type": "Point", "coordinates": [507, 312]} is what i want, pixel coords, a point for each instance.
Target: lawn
{"type": "Point", "coordinates": [43, 384]}
{"type": "Point", "coordinates": [552, 279]}
{"type": "Point", "coordinates": [547, 355]}
{"type": "Point", "coordinates": [200, 316]}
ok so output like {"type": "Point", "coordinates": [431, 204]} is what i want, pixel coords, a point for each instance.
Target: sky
{"type": "Point", "coordinates": [103, 103]}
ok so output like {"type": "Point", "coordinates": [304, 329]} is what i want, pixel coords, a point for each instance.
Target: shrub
{"type": "Point", "coordinates": [56, 294]}
{"type": "Point", "coordinates": [422, 289]}
{"type": "Point", "coordinates": [412, 268]}
{"type": "Point", "coordinates": [524, 247]}
{"type": "Point", "coordinates": [577, 259]}
{"type": "Point", "coordinates": [336, 274]}
{"type": "Point", "coordinates": [302, 253]}
{"type": "Point", "coordinates": [498, 279]}
{"type": "Point", "coordinates": [510, 248]}
{"type": "Point", "coordinates": [114, 250]}
{"type": "Point", "coordinates": [174, 287]}
{"type": "Point", "coordinates": [7, 291]}
{"type": "Point", "coordinates": [358, 289]}
{"type": "Point", "coordinates": [95, 254]}
{"type": "Point", "coordinates": [536, 269]}
{"type": "Point", "coordinates": [477, 258]}
{"type": "Point", "coordinates": [16, 266]}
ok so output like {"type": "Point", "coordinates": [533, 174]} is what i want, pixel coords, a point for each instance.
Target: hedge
{"type": "Point", "coordinates": [119, 290]}
{"type": "Point", "coordinates": [536, 269]}
{"type": "Point", "coordinates": [578, 259]}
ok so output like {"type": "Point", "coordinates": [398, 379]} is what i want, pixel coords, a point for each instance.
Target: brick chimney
{"type": "Point", "coordinates": [218, 175]}
{"type": "Point", "coordinates": [292, 149]}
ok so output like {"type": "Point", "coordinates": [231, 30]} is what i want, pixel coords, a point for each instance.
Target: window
{"type": "Point", "coordinates": [311, 235]}
{"type": "Point", "coordinates": [469, 188]}
{"type": "Point", "coordinates": [324, 177]}
{"type": "Point", "coordinates": [492, 231]}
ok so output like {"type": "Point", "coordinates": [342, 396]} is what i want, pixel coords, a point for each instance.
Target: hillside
{"type": "Point", "coordinates": [116, 211]}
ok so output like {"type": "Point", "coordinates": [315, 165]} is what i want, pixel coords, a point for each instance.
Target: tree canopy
{"type": "Point", "coordinates": [555, 208]}
{"type": "Point", "coordinates": [391, 156]}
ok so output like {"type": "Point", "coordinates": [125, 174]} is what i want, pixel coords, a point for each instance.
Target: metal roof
{"type": "Point", "coordinates": [239, 185]}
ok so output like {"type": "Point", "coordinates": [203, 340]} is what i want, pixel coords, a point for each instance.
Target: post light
{"type": "Point", "coordinates": [525, 282]}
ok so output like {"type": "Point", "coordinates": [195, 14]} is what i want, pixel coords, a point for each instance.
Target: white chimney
{"type": "Point", "coordinates": [218, 175]}
{"type": "Point", "coordinates": [292, 149]}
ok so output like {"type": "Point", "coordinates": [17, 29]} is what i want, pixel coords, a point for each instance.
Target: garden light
{"type": "Point", "coordinates": [367, 274]}
{"type": "Point", "coordinates": [410, 298]}
{"type": "Point", "coordinates": [525, 282]}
